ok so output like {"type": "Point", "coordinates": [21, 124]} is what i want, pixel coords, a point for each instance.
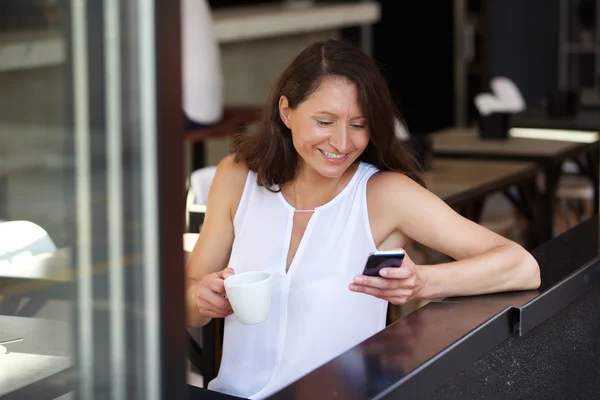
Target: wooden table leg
{"type": "Point", "coordinates": [528, 204]}
{"type": "Point", "coordinates": [473, 210]}
{"type": "Point", "coordinates": [198, 156]}
{"type": "Point", "coordinates": [548, 201]}
{"type": "Point", "coordinates": [478, 209]}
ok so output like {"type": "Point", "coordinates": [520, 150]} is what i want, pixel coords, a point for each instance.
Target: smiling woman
{"type": "Point", "coordinates": [306, 199]}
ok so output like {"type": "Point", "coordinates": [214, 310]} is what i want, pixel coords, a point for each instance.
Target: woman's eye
{"type": "Point", "coordinates": [324, 123]}
{"type": "Point", "coordinates": [358, 126]}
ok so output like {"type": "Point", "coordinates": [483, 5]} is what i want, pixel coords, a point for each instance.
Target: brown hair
{"type": "Point", "coordinates": [270, 152]}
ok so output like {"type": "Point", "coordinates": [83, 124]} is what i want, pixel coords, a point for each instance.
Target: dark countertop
{"type": "Point", "coordinates": [557, 360]}
{"type": "Point", "coordinates": [426, 349]}
{"type": "Point", "coordinates": [584, 120]}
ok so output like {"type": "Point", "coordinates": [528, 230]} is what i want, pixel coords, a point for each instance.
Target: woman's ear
{"type": "Point", "coordinates": [284, 111]}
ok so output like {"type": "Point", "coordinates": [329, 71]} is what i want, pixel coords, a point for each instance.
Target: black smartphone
{"type": "Point", "coordinates": [383, 259]}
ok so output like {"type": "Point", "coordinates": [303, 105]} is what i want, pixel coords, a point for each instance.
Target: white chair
{"type": "Point", "coordinates": [200, 182]}
{"type": "Point", "coordinates": [22, 239]}
{"type": "Point", "coordinates": [19, 241]}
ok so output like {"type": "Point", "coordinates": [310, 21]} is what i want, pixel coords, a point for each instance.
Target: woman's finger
{"type": "Point", "coordinates": [376, 282]}
{"type": "Point", "coordinates": [213, 314]}
{"type": "Point", "coordinates": [385, 294]}
{"type": "Point", "coordinates": [368, 290]}
{"type": "Point", "coordinates": [208, 311]}
{"type": "Point", "coordinates": [385, 283]}
{"type": "Point", "coordinates": [217, 301]}
{"type": "Point", "coordinates": [399, 300]}
{"type": "Point", "coordinates": [215, 283]}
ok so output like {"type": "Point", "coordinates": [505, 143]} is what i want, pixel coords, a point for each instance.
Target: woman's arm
{"type": "Point", "coordinates": [486, 262]}
{"type": "Point", "coordinates": [501, 269]}
{"type": "Point", "coordinates": [206, 267]}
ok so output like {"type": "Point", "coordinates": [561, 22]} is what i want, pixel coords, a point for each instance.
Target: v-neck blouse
{"type": "Point", "coordinates": [314, 317]}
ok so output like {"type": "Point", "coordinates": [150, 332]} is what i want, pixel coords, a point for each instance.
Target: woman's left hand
{"type": "Point", "coordinates": [396, 285]}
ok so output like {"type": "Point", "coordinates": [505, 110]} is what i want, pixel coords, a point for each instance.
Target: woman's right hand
{"type": "Point", "coordinates": [210, 295]}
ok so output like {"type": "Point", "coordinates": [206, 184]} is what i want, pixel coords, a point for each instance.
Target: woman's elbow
{"type": "Point", "coordinates": [520, 269]}
{"type": "Point", "coordinates": [528, 270]}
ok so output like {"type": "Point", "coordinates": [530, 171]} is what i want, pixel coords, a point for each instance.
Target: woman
{"type": "Point", "coordinates": [307, 198]}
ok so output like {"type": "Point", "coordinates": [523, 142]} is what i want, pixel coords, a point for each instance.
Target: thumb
{"type": "Point", "coordinates": [226, 273]}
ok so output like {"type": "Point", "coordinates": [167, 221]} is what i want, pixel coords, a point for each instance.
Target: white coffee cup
{"type": "Point", "coordinates": [250, 296]}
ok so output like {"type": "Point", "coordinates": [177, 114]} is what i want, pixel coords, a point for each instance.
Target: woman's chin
{"type": "Point", "coordinates": [331, 174]}
{"type": "Point", "coordinates": [333, 171]}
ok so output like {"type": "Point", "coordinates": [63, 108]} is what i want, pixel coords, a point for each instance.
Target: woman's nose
{"type": "Point", "coordinates": [340, 140]}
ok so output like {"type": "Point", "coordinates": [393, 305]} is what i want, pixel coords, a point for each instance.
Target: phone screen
{"type": "Point", "coordinates": [380, 260]}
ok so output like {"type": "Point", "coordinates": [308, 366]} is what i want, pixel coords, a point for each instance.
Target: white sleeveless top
{"type": "Point", "coordinates": [314, 317]}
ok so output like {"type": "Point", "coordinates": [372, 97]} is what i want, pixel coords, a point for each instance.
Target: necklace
{"type": "Point", "coordinates": [292, 186]}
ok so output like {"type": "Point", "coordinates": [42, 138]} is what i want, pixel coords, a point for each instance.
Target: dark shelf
{"type": "Point", "coordinates": [234, 118]}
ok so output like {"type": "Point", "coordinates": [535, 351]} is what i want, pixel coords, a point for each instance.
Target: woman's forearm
{"type": "Point", "coordinates": [193, 316]}
{"type": "Point", "coordinates": [505, 268]}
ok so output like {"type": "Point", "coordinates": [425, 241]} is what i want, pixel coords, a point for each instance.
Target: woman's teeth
{"type": "Point", "coordinates": [332, 155]}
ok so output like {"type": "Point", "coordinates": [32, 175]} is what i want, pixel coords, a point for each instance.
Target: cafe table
{"type": "Point", "coordinates": [40, 364]}
{"type": "Point", "coordinates": [584, 120]}
{"type": "Point", "coordinates": [547, 148]}
{"type": "Point", "coordinates": [28, 278]}
{"type": "Point", "coordinates": [465, 184]}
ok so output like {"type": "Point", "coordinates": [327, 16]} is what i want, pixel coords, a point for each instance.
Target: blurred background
{"type": "Point", "coordinates": [113, 115]}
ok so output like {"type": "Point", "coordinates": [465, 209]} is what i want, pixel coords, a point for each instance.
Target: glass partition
{"type": "Point", "coordinates": [91, 200]}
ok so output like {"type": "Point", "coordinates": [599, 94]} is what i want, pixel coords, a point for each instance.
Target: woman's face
{"type": "Point", "coordinates": [329, 130]}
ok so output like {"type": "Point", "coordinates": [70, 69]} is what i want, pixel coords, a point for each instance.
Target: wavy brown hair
{"type": "Point", "coordinates": [270, 153]}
